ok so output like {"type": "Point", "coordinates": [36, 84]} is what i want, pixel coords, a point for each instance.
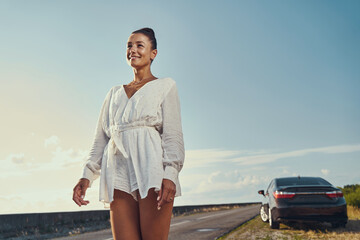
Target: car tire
{"type": "Point", "coordinates": [263, 215]}
{"type": "Point", "coordinates": [273, 224]}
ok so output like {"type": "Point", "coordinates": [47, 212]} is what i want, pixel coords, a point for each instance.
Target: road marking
{"type": "Point", "coordinates": [109, 239]}
{"type": "Point", "coordinates": [212, 216]}
{"type": "Point", "coordinates": [179, 223]}
{"type": "Point", "coordinates": [207, 229]}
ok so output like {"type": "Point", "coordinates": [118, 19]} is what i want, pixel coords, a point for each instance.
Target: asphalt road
{"type": "Point", "coordinates": [196, 226]}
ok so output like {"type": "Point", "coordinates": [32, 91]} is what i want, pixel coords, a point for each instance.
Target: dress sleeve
{"type": "Point", "coordinates": [172, 136]}
{"type": "Point", "coordinates": [92, 165]}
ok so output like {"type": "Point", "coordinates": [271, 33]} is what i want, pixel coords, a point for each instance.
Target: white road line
{"type": "Point", "coordinates": [212, 216]}
{"type": "Point", "coordinates": [174, 224]}
{"type": "Point", "coordinates": [109, 239]}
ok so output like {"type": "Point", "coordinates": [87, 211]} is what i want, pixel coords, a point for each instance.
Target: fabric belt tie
{"type": "Point", "coordinates": [118, 146]}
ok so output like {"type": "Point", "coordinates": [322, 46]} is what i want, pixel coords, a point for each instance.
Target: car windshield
{"type": "Point", "coordinates": [300, 181]}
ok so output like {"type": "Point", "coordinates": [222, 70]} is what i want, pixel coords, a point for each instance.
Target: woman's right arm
{"type": "Point", "coordinates": [92, 165]}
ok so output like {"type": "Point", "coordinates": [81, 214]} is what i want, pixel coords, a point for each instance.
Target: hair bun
{"type": "Point", "coordinates": [150, 30]}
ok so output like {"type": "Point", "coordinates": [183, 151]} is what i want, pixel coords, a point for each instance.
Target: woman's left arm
{"type": "Point", "coordinates": [172, 144]}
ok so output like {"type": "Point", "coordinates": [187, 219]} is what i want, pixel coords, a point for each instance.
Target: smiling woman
{"type": "Point", "coordinates": [138, 149]}
{"type": "Point", "coordinates": [138, 55]}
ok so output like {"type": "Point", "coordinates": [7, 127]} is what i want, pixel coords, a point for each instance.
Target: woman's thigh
{"type": "Point", "coordinates": [155, 224]}
{"type": "Point", "coordinates": [124, 217]}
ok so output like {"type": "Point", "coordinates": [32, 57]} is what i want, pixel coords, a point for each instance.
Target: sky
{"type": "Point", "coordinates": [267, 89]}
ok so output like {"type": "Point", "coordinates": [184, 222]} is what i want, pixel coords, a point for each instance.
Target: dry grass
{"type": "Point", "coordinates": [353, 213]}
{"type": "Point", "coordinates": [258, 230]}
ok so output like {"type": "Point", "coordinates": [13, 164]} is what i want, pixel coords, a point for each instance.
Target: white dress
{"type": "Point", "coordinates": [138, 141]}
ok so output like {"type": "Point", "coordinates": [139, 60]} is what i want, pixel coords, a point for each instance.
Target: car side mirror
{"type": "Point", "coordinates": [261, 192]}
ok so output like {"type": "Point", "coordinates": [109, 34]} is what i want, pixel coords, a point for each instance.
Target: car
{"type": "Point", "coordinates": [303, 199]}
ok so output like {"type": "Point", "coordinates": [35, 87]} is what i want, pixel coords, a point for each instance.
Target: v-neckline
{"type": "Point", "coordinates": [129, 98]}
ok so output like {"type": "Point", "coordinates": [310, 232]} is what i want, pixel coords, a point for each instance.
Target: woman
{"type": "Point", "coordinates": [138, 148]}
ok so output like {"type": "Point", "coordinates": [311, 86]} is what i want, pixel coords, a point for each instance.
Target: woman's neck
{"type": "Point", "coordinates": [142, 74]}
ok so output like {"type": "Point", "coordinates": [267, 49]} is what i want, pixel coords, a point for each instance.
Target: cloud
{"type": "Point", "coordinates": [16, 164]}
{"type": "Point", "coordinates": [215, 182]}
{"type": "Point", "coordinates": [47, 201]}
{"type": "Point", "coordinates": [63, 157]}
{"type": "Point", "coordinates": [222, 181]}
{"type": "Point", "coordinates": [232, 176]}
{"type": "Point", "coordinates": [208, 157]}
{"type": "Point", "coordinates": [53, 140]}
{"type": "Point", "coordinates": [325, 172]}
{"type": "Point", "coordinates": [66, 158]}
{"type": "Point", "coordinates": [17, 158]}
{"type": "Point", "coordinates": [267, 158]}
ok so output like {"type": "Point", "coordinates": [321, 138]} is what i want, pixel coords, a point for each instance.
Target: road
{"type": "Point", "coordinates": [199, 226]}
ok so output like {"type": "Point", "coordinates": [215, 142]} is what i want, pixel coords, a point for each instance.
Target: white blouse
{"type": "Point", "coordinates": [138, 141]}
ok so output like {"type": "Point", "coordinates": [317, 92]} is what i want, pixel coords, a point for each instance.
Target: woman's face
{"type": "Point", "coordinates": [139, 53]}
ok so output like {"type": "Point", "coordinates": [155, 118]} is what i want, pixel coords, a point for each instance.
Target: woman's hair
{"type": "Point", "coordinates": [150, 34]}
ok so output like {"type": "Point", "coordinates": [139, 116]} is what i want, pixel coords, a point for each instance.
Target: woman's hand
{"type": "Point", "coordinates": [166, 193]}
{"type": "Point", "coordinates": [79, 192]}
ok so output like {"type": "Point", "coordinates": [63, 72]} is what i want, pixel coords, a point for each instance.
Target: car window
{"type": "Point", "coordinates": [301, 181]}
{"type": "Point", "coordinates": [269, 187]}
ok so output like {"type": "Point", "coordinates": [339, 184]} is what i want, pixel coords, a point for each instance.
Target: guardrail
{"type": "Point", "coordinates": [63, 223]}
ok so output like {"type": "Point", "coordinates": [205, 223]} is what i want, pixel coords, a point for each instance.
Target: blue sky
{"type": "Point", "coordinates": [267, 89]}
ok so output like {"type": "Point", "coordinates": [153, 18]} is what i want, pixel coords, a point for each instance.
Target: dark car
{"type": "Point", "coordinates": [303, 199]}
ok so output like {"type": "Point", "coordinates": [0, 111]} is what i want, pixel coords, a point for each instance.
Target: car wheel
{"type": "Point", "coordinates": [273, 224]}
{"type": "Point", "coordinates": [263, 215]}
{"type": "Point", "coordinates": [338, 224]}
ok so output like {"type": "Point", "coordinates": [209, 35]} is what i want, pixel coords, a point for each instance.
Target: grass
{"type": "Point", "coordinates": [353, 213]}
{"type": "Point", "coordinates": [255, 229]}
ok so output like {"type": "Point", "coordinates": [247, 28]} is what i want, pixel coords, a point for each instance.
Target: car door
{"type": "Point", "coordinates": [266, 199]}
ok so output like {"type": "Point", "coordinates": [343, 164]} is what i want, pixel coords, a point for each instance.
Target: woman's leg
{"type": "Point", "coordinates": [124, 217]}
{"type": "Point", "coordinates": [155, 224]}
